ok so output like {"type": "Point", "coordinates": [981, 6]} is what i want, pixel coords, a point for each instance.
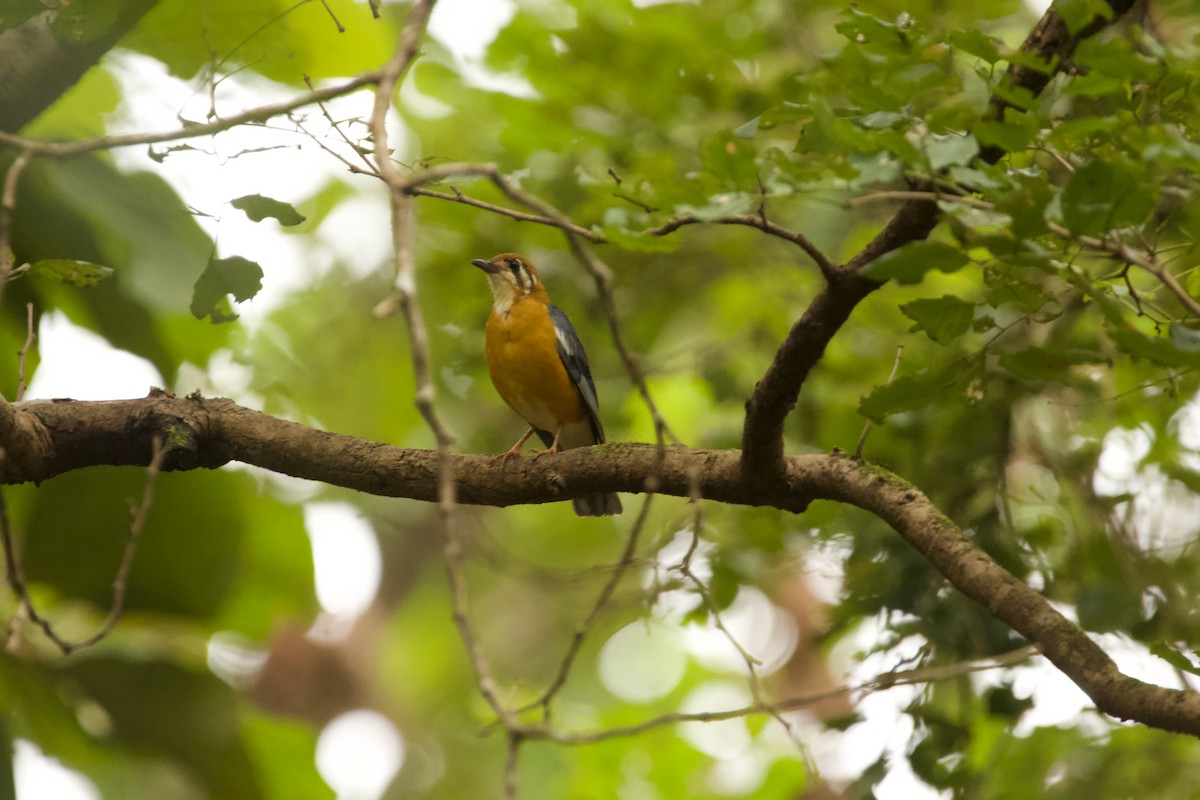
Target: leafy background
{"type": "Point", "coordinates": [1044, 397]}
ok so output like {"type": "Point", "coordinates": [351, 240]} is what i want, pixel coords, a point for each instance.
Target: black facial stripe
{"type": "Point", "coordinates": [521, 273]}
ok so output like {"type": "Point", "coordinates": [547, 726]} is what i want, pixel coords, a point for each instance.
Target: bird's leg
{"type": "Point", "coordinates": [553, 448]}
{"type": "Point", "coordinates": [515, 450]}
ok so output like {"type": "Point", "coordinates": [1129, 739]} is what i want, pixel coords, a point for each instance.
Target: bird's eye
{"type": "Point", "coordinates": [514, 265]}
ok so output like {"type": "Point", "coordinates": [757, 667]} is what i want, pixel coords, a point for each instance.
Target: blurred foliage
{"type": "Point", "coordinates": [1045, 397]}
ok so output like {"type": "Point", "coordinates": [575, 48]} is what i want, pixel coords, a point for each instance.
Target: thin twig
{"type": "Point", "coordinates": [29, 337]}
{"type": "Point", "coordinates": [904, 195]}
{"type": "Point", "coordinates": [1131, 255]}
{"type": "Point", "coordinates": [404, 297]}
{"type": "Point", "coordinates": [824, 263]}
{"type": "Point", "coordinates": [879, 683]}
{"type": "Point", "coordinates": [190, 130]}
{"type": "Point", "coordinates": [684, 567]}
{"type": "Point", "coordinates": [547, 215]}
{"type": "Point", "coordinates": [862, 440]}
{"type": "Point", "coordinates": [585, 627]}
{"type": "Point", "coordinates": [8, 204]}
{"type": "Point", "coordinates": [121, 580]}
{"type": "Point", "coordinates": [602, 275]}
{"type": "Point", "coordinates": [512, 756]}
{"type": "Point", "coordinates": [16, 575]}
{"type": "Point", "coordinates": [338, 128]}
{"type": "Point", "coordinates": [519, 216]}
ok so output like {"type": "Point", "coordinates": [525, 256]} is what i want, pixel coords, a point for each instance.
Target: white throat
{"type": "Point", "coordinates": [503, 294]}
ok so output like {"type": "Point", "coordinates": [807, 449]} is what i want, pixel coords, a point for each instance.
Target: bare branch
{"type": "Point", "coordinates": [775, 394]}
{"type": "Point", "coordinates": [759, 221]}
{"type": "Point", "coordinates": [519, 216]}
{"type": "Point", "coordinates": [862, 439]}
{"type": "Point", "coordinates": [30, 335]}
{"type": "Point", "coordinates": [511, 759]}
{"type": "Point", "coordinates": [16, 575]}
{"type": "Point", "coordinates": [341, 133]}
{"type": "Point", "coordinates": [405, 298]}
{"type": "Point", "coordinates": [8, 205]}
{"type": "Point", "coordinates": [585, 627]}
{"type": "Point", "coordinates": [752, 663]}
{"type": "Point", "coordinates": [602, 275]}
{"type": "Point", "coordinates": [45, 438]}
{"type": "Point", "coordinates": [888, 680]}
{"type": "Point", "coordinates": [1131, 255]}
{"type": "Point", "coordinates": [555, 219]}
{"type": "Point", "coordinates": [190, 130]}
{"type": "Point", "coordinates": [135, 531]}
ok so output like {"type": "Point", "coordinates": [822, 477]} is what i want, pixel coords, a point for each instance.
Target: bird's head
{"type": "Point", "coordinates": [512, 278]}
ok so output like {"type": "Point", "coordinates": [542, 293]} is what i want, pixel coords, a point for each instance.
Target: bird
{"type": "Point", "coordinates": [539, 368]}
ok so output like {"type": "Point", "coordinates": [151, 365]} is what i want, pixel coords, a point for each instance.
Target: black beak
{"type": "Point", "coordinates": [486, 266]}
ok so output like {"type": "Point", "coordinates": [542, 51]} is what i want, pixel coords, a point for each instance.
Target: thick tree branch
{"type": "Point", "coordinates": [775, 394]}
{"type": "Point", "coordinates": [1051, 43]}
{"type": "Point", "coordinates": [47, 438]}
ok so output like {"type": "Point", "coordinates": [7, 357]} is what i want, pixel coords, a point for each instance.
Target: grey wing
{"type": "Point", "coordinates": [570, 350]}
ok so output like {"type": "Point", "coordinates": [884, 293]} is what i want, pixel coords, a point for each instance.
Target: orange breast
{"type": "Point", "coordinates": [522, 357]}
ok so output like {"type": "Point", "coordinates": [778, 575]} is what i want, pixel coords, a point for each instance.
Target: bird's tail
{"type": "Point", "coordinates": [596, 505]}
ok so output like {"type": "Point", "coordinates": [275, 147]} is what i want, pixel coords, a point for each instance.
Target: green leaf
{"type": "Point", "coordinates": [908, 264]}
{"type": "Point", "coordinates": [978, 44]}
{"type": "Point", "coordinates": [70, 271]}
{"type": "Point", "coordinates": [1026, 205]}
{"type": "Point", "coordinates": [1078, 13]}
{"type": "Point", "coordinates": [1042, 364]}
{"type": "Point", "coordinates": [948, 151]}
{"type": "Point", "coordinates": [1017, 96]}
{"type": "Point", "coordinates": [1102, 607]}
{"type": "Point", "coordinates": [910, 392]}
{"type": "Point", "coordinates": [283, 752]}
{"type": "Point", "coordinates": [235, 276]}
{"type": "Point", "coordinates": [1095, 84]}
{"type": "Point", "coordinates": [783, 114]}
{"type": "Point", "coordinates": [1167, 652]}
{"type": "Point", "coordinates": [862, 28]}
{"type": "Point", "coordinates": [1012, 135]}
{"type": "Point", "coordinates": [721, 205]}
{"type": "Point", "coordinates": [1115, 57]}
{"type": "Point", "coordinates": [1101, 196]}
{"type": "Point", "coordinates": [730, 157]}
{"type": "Point", "coordinates": [258, 208]}
{"type": "Point", "coordinates": [723, 585]}
{"type": "Point", "coordinates": [640, 242]}
{"type": "Point", "coordinates": [1154, 349]}
{"type": "Point", "coordinates": [1006, 285]}
{"type": "Point", "coordinates": [943, 319]}
{"type": "Point", "coordinates": [882, 119]}
{"type": "Point", "coordinates": [1074, 134]}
